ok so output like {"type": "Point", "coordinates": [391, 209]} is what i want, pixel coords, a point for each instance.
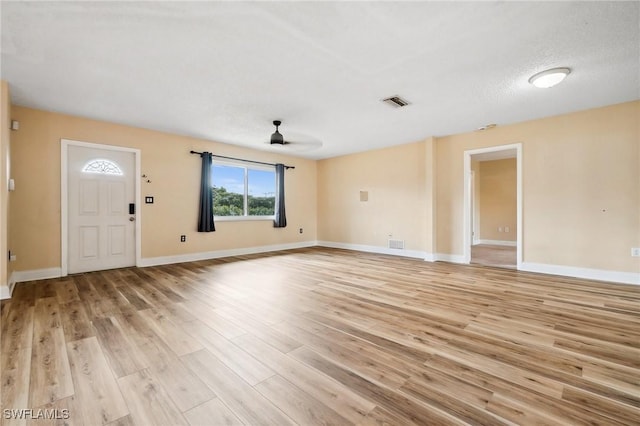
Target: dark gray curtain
{"type": "Point", "coordinates": [281, 218]}
{"type": "Point", "coordinates": [205, 214]}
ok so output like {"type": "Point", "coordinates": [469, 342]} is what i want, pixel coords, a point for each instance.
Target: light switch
{"type": "Point", "coordinates": [148, 200]}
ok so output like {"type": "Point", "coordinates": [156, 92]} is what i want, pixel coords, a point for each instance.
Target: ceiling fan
{"type": "Point", "coordinates": [278, 139]}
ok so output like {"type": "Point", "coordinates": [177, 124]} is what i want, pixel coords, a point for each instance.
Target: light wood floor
{"type": "Point", "coordinates": [493, 255]}
{"type": "Point", "coordinates": [322, 336]}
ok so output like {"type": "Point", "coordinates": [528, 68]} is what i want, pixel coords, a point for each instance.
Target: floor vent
{"type": "Point", "coordinates": [396, 244]}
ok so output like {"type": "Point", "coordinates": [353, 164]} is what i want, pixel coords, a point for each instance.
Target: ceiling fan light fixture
{"type": "Point", "coordinates": [549, 78]}
{"type": "Point", "coordinates": [276, 137]}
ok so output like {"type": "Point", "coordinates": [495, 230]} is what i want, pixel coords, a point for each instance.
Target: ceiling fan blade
{"type": "Point", "coordinates": [304, 144]}
{"type": "Point", "coordinates": [307, 143]}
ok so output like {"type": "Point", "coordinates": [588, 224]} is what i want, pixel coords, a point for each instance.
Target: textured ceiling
{"type": "Point", "coordinates": [223, 71]}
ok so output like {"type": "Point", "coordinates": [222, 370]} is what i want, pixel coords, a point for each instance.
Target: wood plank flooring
{"type": "Point", "coordinates": [494, 255]}
{"type": "Point", "coordinates": [320, 337]}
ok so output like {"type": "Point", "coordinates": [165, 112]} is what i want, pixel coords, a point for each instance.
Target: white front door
{"type": "Point", "coordinates": [101, 209]}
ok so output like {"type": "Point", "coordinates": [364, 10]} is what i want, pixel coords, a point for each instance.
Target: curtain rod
{"type": "Point", "coordinates": [240, 159]}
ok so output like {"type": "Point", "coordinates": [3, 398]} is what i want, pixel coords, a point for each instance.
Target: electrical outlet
{"type": "Point", "coordinates": [301, 230]}
{"type": "Point", "coordinates": [506, 229]}
{"type": "Point", "coordinates": [499, 228]}
{"type": "Point", "coordinates": [635, 251]}
{"type": "Point", "coordinates": [183, 238]}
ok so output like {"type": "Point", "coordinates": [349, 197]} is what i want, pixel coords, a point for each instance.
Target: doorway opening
{"type": "Point", "coordinates": [493, 206]}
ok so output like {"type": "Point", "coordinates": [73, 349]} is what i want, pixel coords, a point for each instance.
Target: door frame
{"type": "Point", "coordinates": [473, 217]}
{"type": "Point", "coordinates": [468, 205]}
{"type": "Point", "coordinates": [64, 197]}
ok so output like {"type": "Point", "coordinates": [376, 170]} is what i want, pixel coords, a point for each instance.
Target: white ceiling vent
{"type": "Point", "coordinates": [486, 127]}
{"type": "Point", "coordinates": [395, 101]}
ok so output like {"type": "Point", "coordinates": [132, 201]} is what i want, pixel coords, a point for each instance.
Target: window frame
{"type": "Point", "coordinates": [114, 169]}
{"type": "Point", "coordinates": [246, 166]}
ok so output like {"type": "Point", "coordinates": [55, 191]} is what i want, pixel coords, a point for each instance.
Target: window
{"type": "Point", "coordinates": [243, 191]}
{"type": "Point", "coordinates": [104, 167]}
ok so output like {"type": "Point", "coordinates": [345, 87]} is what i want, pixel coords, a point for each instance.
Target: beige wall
{"type": "Point", "coordinates": [581, 190]}
{"type": "Point", "coordinates": [581, 187]}
{"type": "Point", "coordinates": [5, 170]}
{"type": "Point", "coordinates": [174, 175]}
{"type": "Point", "coordinates": [395, 180]}
{"type": "Point", "coordinates": [497, 204]}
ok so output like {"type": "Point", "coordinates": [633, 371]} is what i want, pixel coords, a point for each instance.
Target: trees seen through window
{"type": "Point", "coordinates": [239, 190]}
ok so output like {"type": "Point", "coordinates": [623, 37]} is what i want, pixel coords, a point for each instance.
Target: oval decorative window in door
{"type": "Point", "coordinates": [105, 167]}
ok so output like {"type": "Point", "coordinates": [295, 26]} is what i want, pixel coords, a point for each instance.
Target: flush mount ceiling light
{"type": "Point", "coordinates": [549, 78]}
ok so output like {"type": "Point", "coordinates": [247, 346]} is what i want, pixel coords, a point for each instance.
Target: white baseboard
{"type": "Point", "coordinates": [376, 249]}
{"type": "Point", "coordinates": [431, 257]}
{"type": "Point", "coordinates": [444, 257]}
{"type": "Point", "coordinates": [24, 276]}
{"type": "Point", "coordinates": [12, 282]}
{"type": "Point", "coordinates": [5, 292]}
{"type": "Point", "coordinates": [191, 257]}
{"type": "Point", "coordinates": [36, 274]}
{"type": "Point", "coordinates": [567, 271]}
{"type": "Point", "coordinates": [586, 273]}
{"type": "Point", "coordinates": [496, 242]}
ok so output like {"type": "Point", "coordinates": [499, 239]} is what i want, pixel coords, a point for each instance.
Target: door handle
{"type": "Point", "coordinates": [131, 219]}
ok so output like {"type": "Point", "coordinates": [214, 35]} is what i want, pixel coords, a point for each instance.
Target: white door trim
{"type": "Point", "coordinates": [64, 197]}
{"type": "Point", "coordinates": [466, 215]}
{"type": "Point", "coordinates": [473, 217]}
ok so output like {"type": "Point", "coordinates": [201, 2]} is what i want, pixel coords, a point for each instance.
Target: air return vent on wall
{"type": "Point", "coordinates": [395, 101]}
{"type": "Point", "coordinates": [396, 244]}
